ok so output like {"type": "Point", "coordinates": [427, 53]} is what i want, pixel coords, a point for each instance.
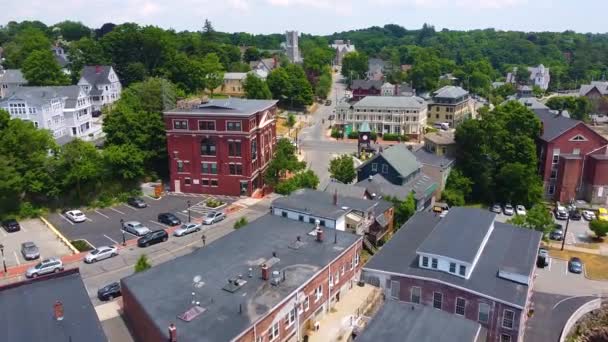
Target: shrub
{"type": "Point", "coordinates": [81, 245]}
{"type": "Point", "coordinates": [335, 133]}
{"type": "Point", "coordinates": [213, 203]}
{"type": "Point", "coordinates": [240, 222]}
{"type": "Point", "coordinates": [600, 228]}
{"type": "Point", "coordinates": [395, 137]}
{"type": "Point", "coordinates": [142, 264]}
{"type": "Point", "coordinates": [353, 135]}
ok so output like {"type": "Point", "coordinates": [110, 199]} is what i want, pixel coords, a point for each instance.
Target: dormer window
{"type": "Point", "coordinates": [434, 263]}
{"type": "Point", "coordinates": [425, 261]}
{"type": "Point", "coordinates": [578, 137]}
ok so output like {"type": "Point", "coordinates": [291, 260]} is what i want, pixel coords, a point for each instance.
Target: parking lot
{"type": "Point", "coordinates": [31, 230]}
{"type": "Point", "coordinates": [103, 225]}
{"type": "Point", "coordinates": [556, 279]}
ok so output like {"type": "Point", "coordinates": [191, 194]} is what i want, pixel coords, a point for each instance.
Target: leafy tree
{"type": "Point", "coordinates": [125, 162]}
{"type": "Point", "coordinates": [256, 88]}
{"type": "Point", "coordinates": [283, 161]}
{"type": "Point", "coordinates": [403, 209]}
{"type": "Point", "coordinates": [522, 75]}
{"type": "Point", "coordinates": [251, 54]}
{"type": "Point", "coordinates": [208, 30]}
{"type": "Point", "coordinates": [240, 223]}
{"type": "Point", "coordinates": [600, 228]}
{"type": "Point", "coordinates": [291, 120]}
{"type": "Point", "coordinates": [290, 86]}
{"type": "Point", "coordinates": [279, 84]}
{"type": "Point", "coordinates": [25, 42]}
{"type": "Point", "coordinates": [342, 169]}
{"type": "Point", "coordinates": [213, 70]}
{"type": "Point", "coordinates": [41, 69]}
{"type": "Point", "coordinates": [426, 70]}
{"type": "Point", "coordinates": [519, 183]}
{"type": "Point", "coordinates": [578, 107]}
{"type": "Point", "coordinates": [85, 51]}
{"type": "Point", "coordinates": [142, 264]}
{"type": "Point", "coordinates": [71, 30]}
{"type": "Point", "coordinates": [354, 65]}
{"type": "Point", "coordinates": [323, 86]}
{"type": "Point", "coordinates": [453, 197]}
{"type": "Point", "coordinates": [537, 218]}
{"type": "Point", "coordinates": [104, 29]}
{"type": "Point", "coordinates": [458, 189]}
{"type": "Point", "coordinates": [305, 179]}
{"type": "Point", "coordinates": [80, 166]}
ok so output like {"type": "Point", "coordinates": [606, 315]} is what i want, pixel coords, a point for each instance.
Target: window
{"type": "Point", "coordinates": [322, 223]}
{"type": "Point", "coordinates": [301, 218]}
{"type": "Point", "coordinates": [551, 189]}
{"type": "Point", "coordinates": [208, 147]}
{"type": "Point", "coordinates": [425, 261]}
{"type": "Point", "coordinates": [209, 168]}
{"type": "Point", "coordinates": [415, 294]}
{"type": "Point", "coordinates": [452, 267]}
{"type": "Point", "coordinates": [555, 155]}
{"type": "Point", "coordinates": [214, 182]}
{"type": "Point", "coordinates": [356, 258]}
{"type": "Point", "coordinates": [505, 338]}
{"type": "Point", "coordinates": [234, 148]}
{"type": "Point", "coordinates": [284, 213]}
{"type": "Point", "coordinates": [395, 286]}
{"type": "Point", "coordinates": [434, 262]}
{"type": "Point", "coordinates": [234, 126]}
{"type": "Point", "coordinates": [254, 149]}
{"type": "Point", "coordinates": [343, 268]}
{"type": "Point", "coordinates": [318, 293]}
{"type": "Point", "coordinates": [290, 318]}
{"type": "Point", "coordinates": [180, 124]}
{"type": "Point", "coordinates": [205, 182]}
{"type": "Point", "coordinates": [384, 168]}
{"type": "Point", "coordinates": [273, 332]}
{"type": "Point", "coordinates": [463, 270]}
{"type": "Point", "coordinates": [578, 137]}
{"type": "Point", "coordinates": [576, 151]}
{"type": "Point", "coordinates": [375, 167]}
{"type": "Point", "coordinates": [310, 220]}
{"type": "Point", "coordinates": [553, 173]}
{"type": "Point", "coordinates": [484, 313]}
{"type": "Point", "coordinates": [180, 166]}
{"type": "Point", "coordinates": [187, 181]}
{"type": "Point", "coordinates": [236, 169]}
{"type": "Point", "coordinates": [437, 300]}
{"type": "Point", "coordinates": [352, 263]}
{"type": "Point", "coordinates": [306, 303]}
{"type": "Point", "coordinates": [461, 303]}
{"type": "Point", "coordinates": [206, 125]}
{"type": "Point", "coordinates": [507, 319]}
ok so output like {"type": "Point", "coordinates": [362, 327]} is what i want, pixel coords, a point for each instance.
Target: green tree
{"type": "Point", "coordinates": [305, 179]}
{"type": "Point", "coordinates": [522, 75]}
{"type": "Point", "coordinates": [142, 264]}
{"type": "Point", "coordinates": [71, 30]}
{"type": "Point", "coordinates": [256, 88]}
{"type": "Point", "coordinates": [213, 70]}
{"type": "Point", "coordinates": [403, 209]}
{"type": "Point", "coordinates": [80, 167]}
{"type": "Point", "coordinates": [291, 120]}
{"type": "Point", "coordinates": [578, 107]}
{"type": "Point", "coordinates": [208, 30]}
{"type": "Point", "coordinates": [124, 162]}
{"type": "Point", "coordinates": [300, 93]}
{"type": "Point", "coordinates": [537, 218]}
{"type": "Point", "coordinates": [600, 228]}
{"type": "Point", "coordinates": [85, 51]}
{"type": "Point", "coordinates": [453, 197]}
{"type": "Point", "coordinates": [24, 43]}
{"type": "Point", "coordinates": [354, 65]}
{"type": "Point", "coordinates": [41, 69]}
{"type": "Point", "coordinates": [251, 54]}
{"type": "Point", "coordinates": [342, 169]}
{"type": "Point", "coordinates": [279, 84]}
{"type": "Point", "coordinates": [240, 223]}
{"type": "Point", "coordinates": [323, 86]}
{"type": "Point", "coordinates": [283, 161]}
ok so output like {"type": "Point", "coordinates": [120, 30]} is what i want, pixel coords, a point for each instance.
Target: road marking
{"type": "Point", "coordinates": [160, 224]}
{"type": "Point", "coordinates": [16, 258]}
{"type": "Point", "coordinates": [130, 233]}
{"type": "Point", "coordinates": [65, 218]}
{"type": "Point", "coordinates": [118, 211]}
{"type": "Point", "coordinates": [88, 219]}
{"type": "Point", "coordinates": [100, 213]}
{"type": "Point", "coordinates": [185, 215]}
{"type": "Point", "coordinates": [565, 299]}
{"type": "Point", "coordinates": [109, 238]}
{"type": "Point", "coordinates": [130, 207]}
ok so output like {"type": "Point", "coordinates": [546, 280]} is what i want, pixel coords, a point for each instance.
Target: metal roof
{"type": "Point", "coordinates": [229, 106]}
{"type": "Point", "coordinates": [452, 92]}
{"type": "Point", "coordinates": [554, 124]}
{"type": "Point", "coordinates": [12, 76]}
{"type": "Point", "coordinates": [391, 102]}
{"type": "Point", "coordinates": [348, 190]}
{"type": "Point", "coordinates": [429, 158]}
{"type": "Point", "coordinates": [399, 157]}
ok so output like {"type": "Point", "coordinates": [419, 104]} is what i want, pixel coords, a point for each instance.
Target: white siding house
{"type": "Point", "coordinates": [101, 83]}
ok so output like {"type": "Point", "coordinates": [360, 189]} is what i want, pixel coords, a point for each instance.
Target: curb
{"type": "Point", "coordinates": [60, 236]}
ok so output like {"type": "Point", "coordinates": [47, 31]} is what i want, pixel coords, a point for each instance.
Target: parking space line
{"type": "Point", "coordinates": [130, 207]}
{"type": "Point", "coordinates": [118, 211]}
{"type": "Point", "coordinates": [65, 218]}
{"type": "Point", "coordinates": [16, 258]}
{"type": "Point", "coordinates": [97, 211]}
{"type": "Point", "coordinates": [88, 219]}
{"type": "Point", "coordinates": [185, 215]}
{"type": "Point", "coordinates": [160, 224]}
{"type": "Point", "coordinates": [130, 233]}
{"type": "Point", "coordinates": [109, 238]}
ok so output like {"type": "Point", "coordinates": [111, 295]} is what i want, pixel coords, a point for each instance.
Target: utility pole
{"type": "Point", "coordinates": [570, 211]}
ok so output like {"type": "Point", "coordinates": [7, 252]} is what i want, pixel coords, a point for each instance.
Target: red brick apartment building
{"type": "Point", "coordinates": [465, 264]}
{"type": "Point", "coordinates": [269, 281]}
{"type": "Point", "coordinates": [221, 147]}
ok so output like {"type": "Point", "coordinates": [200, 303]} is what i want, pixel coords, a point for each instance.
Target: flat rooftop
{"type": "Point", "coordinates": [508, 248]}
{"type": "Point", "coordinates": [225, 107]}
{"type": "Point", "coordinates": [165, 291]}
{"type": "Point", "coordinates": [406, 322]}
{"type": "Point", "coordinates": [28, 310]}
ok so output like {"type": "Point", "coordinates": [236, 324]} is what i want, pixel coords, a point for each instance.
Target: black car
{"type": "Point", "coordinates": [576, 216]}
{"type": "Point", "coordinates": [136, 202]}
{"type": "Point", "coordinates": [152, 238]}
{"type": "Point", "coordinates": [169, 219]}
{"type": "Point", "coordinates": [109, 292]}
{"type": "Point", "coordinates": [11, 225]}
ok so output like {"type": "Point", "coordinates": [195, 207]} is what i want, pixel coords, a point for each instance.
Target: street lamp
{"type": "Point", "coordinates": [3, 261]}
{"type": "Point", "coordinates": [570, 211]}
{"type": "Point", "coordinates": [188, 211]}
{"type": "Point", "coordinates": [122, 230]}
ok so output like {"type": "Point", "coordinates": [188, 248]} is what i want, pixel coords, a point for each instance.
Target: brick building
{"type": "Point", "coordinates": [221, 147]}
{"type": "Point", "coordinates": [466, 264]}
{"type": "Point", "coordinates": [363, 88]}
{"type": "Point", "coordinates": [268, 281]}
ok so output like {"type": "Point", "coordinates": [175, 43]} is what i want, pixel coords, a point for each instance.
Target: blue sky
{"type": "Point", "coordinates": [320, 16]}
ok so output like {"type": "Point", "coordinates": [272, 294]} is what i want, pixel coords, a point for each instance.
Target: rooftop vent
{"type": "Point", "coordinates": [58, 311]}
{"type": "Point", "coordinates": [296, 244]}
{"type": "Point", "coordinates": [234, 284]}
{"type": "Point", "coordinates": [277, 278]}
{"type": "Point", "coordinates": [191, 314]}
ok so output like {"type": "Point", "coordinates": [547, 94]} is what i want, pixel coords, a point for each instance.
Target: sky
{"type": "Point", "coordinates": [319, 16]}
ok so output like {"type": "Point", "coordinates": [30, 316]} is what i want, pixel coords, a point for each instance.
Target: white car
{"type": "Point", "coordinates": [214, 216]}
{"type": "Point", "coordinates": [76, 216]}
{"type": "Point", "coordinates": [520, 210]}
{"type": "Point", "coordinates": [101, 253]}
{"type": "Point", "coordinates": [46, 266]}
{"type": "Point", "coordinates": [135, 228]}
{"type": "Point", "coordinates": [588, 215]}
{"type": "Point", "coordinates": [508, 210]}
{"type": "Point", "coordinates": [186, 229]}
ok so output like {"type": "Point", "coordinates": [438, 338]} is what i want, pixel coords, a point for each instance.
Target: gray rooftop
{"type": "Point", "coordinates": [348, 190]}
{"type": "Point", "coordinates": [451, 92]}
{"type": "Point", "coordinates": [164, 291]}
{"type": "Point", "coordinates": [28, 309]}
{"type": "Point", "coordinates": [466, 227]}
{"type": "Point", "coordinates": [319, 203]}
{"type": "Point", "coordinates": [554, 124]}
{"type": "Point", "coordinates": [441, 137]}
{"type": "Point", "coordinates": [38, 96]}
{"type": "Point", "coordinates": [365, 84]}
{"type": "Point", "coordinates": [226, 107]}
{"type": "Point", "coordinates": [421, 185]}
{"type": "Point", "coordinates": [96, 74]}
{"type": "Point", "coordinates": [399, 256]}
{"type": "Point", "coordinates": [602, 87]}
{"type": "Point", "coordinates": [12, 76]}
{"type": "Point", "coordinates": [235, 75]}
{"type": "Point", "coordinates": [400, 158]}
{"type": "Point", "coordinates": [429, 158]}
{"type": "Point", "coordinates": [406, 322]}
{"type": "Point", "coordinates": [391, 102]}
{"type": "Point", "coordinates": [532, 103]}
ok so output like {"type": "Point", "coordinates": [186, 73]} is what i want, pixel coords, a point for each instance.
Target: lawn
{"type": "Point", "coordinates": [596, 266]}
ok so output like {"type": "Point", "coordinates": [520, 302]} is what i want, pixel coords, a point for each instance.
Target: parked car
{"type": "Point", "coordinates": [496, 208]}
{"type": "Point", "coordinates": [100, 253]}
{"type": "Point", "coordinates": [588, 215]}
{"type": "Point", "coordinates": [520, 210]}
{"type": "Point", "coordinates": [136, 202]}
{"type": "Point", "coordinates": [560, 212]}
{"type": "Point", "coordinates": [187, 228]}
{"type": "Point", "coordinates": [508, 210]}
{"type": "Point", "coordinates": [76, 216]}
{"type": "Point", "coordinates": [556, 234]}
{"type": "Point", "coordinates": [575, 265]}
{"type": "Point", "coordinates": [575, 215]}
{"type": "Point", "coordinates": [30, 251]}
{"type": "Point", "coordinates": [214, 216]}
{"type": "Point", "coordinates": [169, 219]}
{"type": "Point", "coordinates": [152, 238]}
{"type": "Point", "coordinates": [46, 266]}
{"type": "Point", "coordinates": [135, 228]}
{"type": "Point", "coordinates": [109, 292]}
{"type": "Point", "coordinates": [11, 225]}
{"type": "Point", "coordinates": [544, 255]}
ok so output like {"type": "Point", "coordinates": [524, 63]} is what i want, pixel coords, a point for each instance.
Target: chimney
{"type": "Point", "coordinates": [172, 333]}
{"type": "Point", "coordinates": [298, 238]}
{"type": "Point", "coordinates": [336, 197]}
{"type": "Point", "coordinates": [98, 69]}
{"type": "Point", "coordinates": [58, 310]}
{"type": "Point", "coordinates": [319, 234]}
{"type": "Point", "coordinates": [265, 272]}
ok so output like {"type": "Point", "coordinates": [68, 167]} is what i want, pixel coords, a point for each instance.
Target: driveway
{"type": "Point", "coordinates": [555, 279]}
{"type": "Point", "coordinates": [103, 225]}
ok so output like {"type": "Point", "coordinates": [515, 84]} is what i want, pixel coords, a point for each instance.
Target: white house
{"type": "Point", "coordinates": [341, 48]}
{"type": "Point", "coordinates": [10, 79]}
{"type": "Point", "coordinates": [539, 76]}
{"type": "Point", "coordinates": [101, 83]}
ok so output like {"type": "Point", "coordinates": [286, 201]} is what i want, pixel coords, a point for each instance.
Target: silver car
{"type": "Point", "coordinates": [135, 228]}
{"type": "Point", "coordinates": [214, 216]}
{"type": "Point", "coordinates": [101, 253]}
{"type": "Point", "coordinates": [46, 266]}
{"type": "Point", "coordinates": [187, 228]}
{"type": "Point", "coordinates": [30, 251]}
